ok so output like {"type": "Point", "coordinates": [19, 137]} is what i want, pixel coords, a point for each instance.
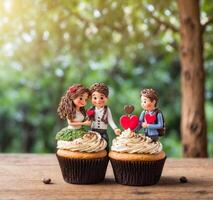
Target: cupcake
{"type": "Point", "coordinates": [136, 159]}
{"type": "Point", "coordinates": [83, 160]}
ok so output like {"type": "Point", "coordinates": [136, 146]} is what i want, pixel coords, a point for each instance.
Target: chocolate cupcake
{"type": "Point", "coordinates": [136, 159]}
{"type": "Point", "coordinates": [83, 160]}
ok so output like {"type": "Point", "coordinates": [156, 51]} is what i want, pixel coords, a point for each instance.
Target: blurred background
{"type": "Point", "coordinates": [45, 46]}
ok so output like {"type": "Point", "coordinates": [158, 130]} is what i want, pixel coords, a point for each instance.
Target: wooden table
{"type": "Point", "coordinates": [21, 178]}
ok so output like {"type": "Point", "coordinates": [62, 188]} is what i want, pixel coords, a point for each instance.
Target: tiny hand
{"type": "Point", "coordinates": [144, 125]}
{"type": "Point", "coordinates": [87, 123]}
{"type": "Point", "coordinates": [132, 134]}
{"type": "Point", "coordinates": [117, 131]}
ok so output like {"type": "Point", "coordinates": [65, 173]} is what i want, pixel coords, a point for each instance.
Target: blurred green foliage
{"type": "Point", "coordinates": [48, 45]}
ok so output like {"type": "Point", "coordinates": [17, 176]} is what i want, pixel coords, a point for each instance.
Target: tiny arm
{"type": "Point", "coordinates": [140, 122]}
{"type": "Point", "coordinates": [110, 120]}
{"type": "Point", "coordinates": [72, 123]}
{"type": "Point", "coordinates": [158, 125]}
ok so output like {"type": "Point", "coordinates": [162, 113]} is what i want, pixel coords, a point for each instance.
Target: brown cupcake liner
{"type": "Point", "coordinates": [83, 171]}
{"type": "Point", "coordinates": [137, 173]}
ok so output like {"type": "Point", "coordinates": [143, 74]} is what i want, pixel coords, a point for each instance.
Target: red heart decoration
{"type": "Point", "coordinates": [129, 122]}
{"type": "Point", "coordinates": [150, 119]}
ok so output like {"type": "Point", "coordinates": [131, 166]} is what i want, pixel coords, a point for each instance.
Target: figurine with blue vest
{"type": "Point", "coordinates": [151, 118]}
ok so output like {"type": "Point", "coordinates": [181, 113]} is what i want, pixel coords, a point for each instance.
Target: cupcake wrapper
{"type": "Point", "coordinates": [83, 171]}
{"type": "Point", "coordinates": [137, 172]}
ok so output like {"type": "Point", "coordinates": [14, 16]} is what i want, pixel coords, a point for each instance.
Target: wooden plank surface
{"type": "Point", "coordinates": [21, 178]}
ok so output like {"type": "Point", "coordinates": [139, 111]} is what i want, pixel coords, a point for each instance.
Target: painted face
{"type": "Point", "coordinates": [147, 104]}
{"type": "Point", "coordinates": [81, 100]}
{"type": "Point", "coordinates": [99, 100]}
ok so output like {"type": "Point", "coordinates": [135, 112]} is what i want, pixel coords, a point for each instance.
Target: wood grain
{"type": "Point", "coordinates": [21, 178]}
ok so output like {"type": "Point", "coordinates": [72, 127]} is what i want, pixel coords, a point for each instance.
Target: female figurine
{"type": "Point", "coordinates": [71, 108]}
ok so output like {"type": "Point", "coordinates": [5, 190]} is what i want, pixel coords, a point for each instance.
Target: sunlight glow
{"type": "Point", "coordinates": [150, 8]}
{"type": "Point", "coordinates": [59, 72]}
{"type": "Point", "coordinates": [45, 35]}
{"type": "Point", "coordinates": [27, 37]}
{"type": "Point", "coordinates": [8, 49]}
{"type": "Point", "coordinates": [7, 5]}
{"type": "Point", "coordinates": [96, 13]}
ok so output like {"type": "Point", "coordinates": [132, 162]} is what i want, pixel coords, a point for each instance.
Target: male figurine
{"type": "Point", "coordinates": [102, 116]}
{"type": "Point", "coordinates": [151, 118]}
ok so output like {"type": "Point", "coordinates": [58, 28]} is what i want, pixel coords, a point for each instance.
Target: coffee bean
{"type": "Point", "coordinates": [183, 179]}
{"type": "Point", "coordinates": [46, 180]}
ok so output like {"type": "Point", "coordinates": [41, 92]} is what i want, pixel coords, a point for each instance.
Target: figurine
{"type": "Point", "coordinates": [72, 109]}
{"type": "Point", "coordinates": [81, 154]}
{"type": "Point", "coordinates": [151, 119]}
{"type": "Point", "coordinates": [100, 114]}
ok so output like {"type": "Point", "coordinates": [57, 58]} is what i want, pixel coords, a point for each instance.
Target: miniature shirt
{"type": "Point", "coordinates": [98, 123]}
{"type": "Point", "coordinates": [151, 129]}
{"type": "Point", "coordinates": [79, 117]}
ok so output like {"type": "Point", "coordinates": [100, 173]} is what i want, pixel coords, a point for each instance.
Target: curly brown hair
{"type": "Point", "coordinates": [150, 93]}
{"type": "Point", "coordinates": [67, 108]}
{"type": "Point", "coordinates": [101, 88]}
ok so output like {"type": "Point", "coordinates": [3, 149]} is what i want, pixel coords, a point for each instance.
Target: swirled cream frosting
{"type": "Point", "coordinates": [130, 142]}
{"type": "Point", "coordinates": [90, 142]}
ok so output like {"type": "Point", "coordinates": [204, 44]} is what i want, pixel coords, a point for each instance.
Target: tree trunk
{"type": "Point", "coordinates": [193, 123]}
